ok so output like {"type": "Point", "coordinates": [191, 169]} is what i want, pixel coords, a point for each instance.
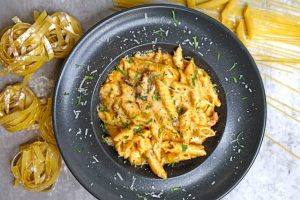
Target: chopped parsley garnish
{"type": "Point", "coordinates": [101, 108]}
{"type": "Point", "coordinates": [126, 137]}
{"type": "Point", "coordinates": [184, 147]}
{"type": "Point", "coordinates": [156, 96]}
{"type": "Point", "coordinates": [218, 56]}
{"type": "Point", "coordinates": [159, 32]}
{"type": "Point", "coordinates": [79, 99]}
{"type": "Point", "coordinates": [144, 98]}
{"type": "Point", "coordinates": [136, 77]}
{"type": "Point", "coordinates": [238, 141]}
{"type": "Point", "coordinates": [130, 59]}
{"type": "Point", "coordinates": [149, 121]}
{"type": "Point", "coordinates": [175, 21]}
{"type": "Point", "coordinates": [195, 42]}
{"type": "Point", "coordinates": [125, 124]}
{"type": "Point", "coordinates": [122, 72]}
{"type": "Point", "coordinates": [105, 138]}
{"type": "Point", "coordinates": [77, 149]}
{"type": "Point", "coordinates": [133, 117]}
{"type": "Point", "coordinates": [102, 126]}
{"type": "Point", "coordinates": [235, 80]}
{"type": "Point", "coordinates": [244, 98]}
{"type": "Point", "coordinates": [137, 129]}
{"type": "Point", "coordinates": [207, 108]}
{"type": "Point", "coordinates": [233, 66]}
{"type": "Point", "coordinates": [66, 93]}
{"type": "Point", "coordinates": [141, 197]}
{"type": "Point", "coordinates": [174, 189]}
{"type": "Point", "coordinates": [88, 77]}
{"type": "Point", "coordinates": [171, 164]}
{"type": "Point", "coordinates": [193, 80]}
{"type": "Point", "coordinates": [148, 107]}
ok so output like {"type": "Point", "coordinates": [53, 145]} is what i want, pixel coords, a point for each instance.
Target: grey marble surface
{"type": "Point", "coordinates": [274, 175]}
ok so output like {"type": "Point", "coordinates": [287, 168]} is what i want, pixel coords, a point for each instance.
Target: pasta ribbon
{"type": "Point", "coordinates": [45, 122]}
{"type": "Point", "coordinates": [64, 32]}
{"type": "Point", "coordinates": [19, 108]}
{"type": "Point", "coordinates": [36, 166]}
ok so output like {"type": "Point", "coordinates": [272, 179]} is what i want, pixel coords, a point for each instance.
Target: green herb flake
{"type": "Point", "coordinates": [184, 147]}
{"type": "Point", "coordinates": [144, 98]}
{"type": "Point", "coordinates": [233, 67]}
{"type": "Point", "coordinates": [141, 197]}
{"type": "Point", "coordinates": [207, 108]}
{"type": "Point", "coordinates": [78, 100]}
{"type": "Point", "coordinates": [159, 32]}
{"type": "Point", "coordinates": [125, 125]}
{"type": "Point", "coordinates": [66, 93]}
{"type": "Point", "coordinates": [133, 117]}
{"type": "Point", "coordinates": [244, 98]}
{"type": "Point", "coordinates": [147, 107]}
{"type": "Point", "coordinates": [174, 189]}
{"type": "Point", "coordinates": [88, 77]}
{"type": "Point", "coordinates": [122, 72]}
{"type": "Point", "coordinates": [77, 149]}
{"type": "Point", "coordinates": [218, 56]}
{"type": "Point", "coordinates": [149, 121]}
{"type": "Point", "coordinates": [126, 137]}
{"type": "Point", "coordinates": [175, 21]}
{"type": "Point", "coordinates": [101, 108]}
{"type": "Point", "coordinates": [171, 164]}
{"type": "Point", "coordinates": [156, 96]}
{"type": "Point", "coordinates": [130, 59]}
{"type": "Point", "coordinates": [195, 42]}
{"type": "Point", "coordinates": [235, 80]}
{"type": "Point", "coordinates": [136, 77]}
{"type": "Point", "coordinates": [137, 129]}
{"type": "Point", "coordinates": [237, 140]}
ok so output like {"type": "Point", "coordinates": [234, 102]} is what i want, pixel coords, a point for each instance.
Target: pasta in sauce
{"type": "Point", "coordinates": [158, 109]}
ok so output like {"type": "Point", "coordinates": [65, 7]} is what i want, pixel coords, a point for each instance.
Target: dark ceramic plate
{"type": "Point", "coordinates": [242, 115]}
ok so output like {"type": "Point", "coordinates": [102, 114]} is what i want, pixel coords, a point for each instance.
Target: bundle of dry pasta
{"type": "Point", "coordinates": [45, 122]}
{"type": "Point", "coordinates": [24, 48]}
{"type": "Point", "coordinates": [36, 166]}
{"type": "Point", "coordinates": [19, 108]}
{"type": "Point", "coordinates": [158, 109]}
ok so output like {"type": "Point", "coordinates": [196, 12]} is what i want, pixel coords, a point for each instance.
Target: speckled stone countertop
{"type": "Point", "coordinates": [274, 175]}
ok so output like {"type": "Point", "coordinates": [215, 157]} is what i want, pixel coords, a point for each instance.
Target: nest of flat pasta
{"type": "Point", "coordinates": [158, 109]}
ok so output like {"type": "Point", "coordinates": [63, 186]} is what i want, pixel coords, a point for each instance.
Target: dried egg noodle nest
{"type": "Point", "coordinates": [45, 122]}
{"type": "Point", "coordinates": [64, 32]}
{"type": "Point", "coordinates": [19, 108]}
{"type": "Point", "coordinates": [24, 48]}
{"type": "Point", "coordinates": [36, 166]}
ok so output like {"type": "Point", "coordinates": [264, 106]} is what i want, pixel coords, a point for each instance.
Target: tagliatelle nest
{"type": "Point", "coordinates": [19, 108]}
{"type": "Point", "coordinates": [36, 166]}
{"type": "Point", "coordinates": [24, 48]}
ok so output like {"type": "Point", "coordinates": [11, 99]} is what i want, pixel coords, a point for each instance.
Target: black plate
{"type": "Point", "coordinates": [243, 112]}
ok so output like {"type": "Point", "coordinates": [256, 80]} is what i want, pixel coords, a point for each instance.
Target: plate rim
{"type": "Point", "coordinates": [170, 6]}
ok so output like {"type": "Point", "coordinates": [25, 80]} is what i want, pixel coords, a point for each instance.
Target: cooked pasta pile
{"type": "Point", "coordinates": [24, 48]}
{"type": "Point", "coordinates": [158, 109]}
{"type": "Point", "coordinates": [36, 166]}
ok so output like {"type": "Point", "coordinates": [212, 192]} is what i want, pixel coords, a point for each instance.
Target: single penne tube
{"type": "Point", "coordinates": [166, 99]}
{"type": "Point", "coordinates": [155, 165]}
